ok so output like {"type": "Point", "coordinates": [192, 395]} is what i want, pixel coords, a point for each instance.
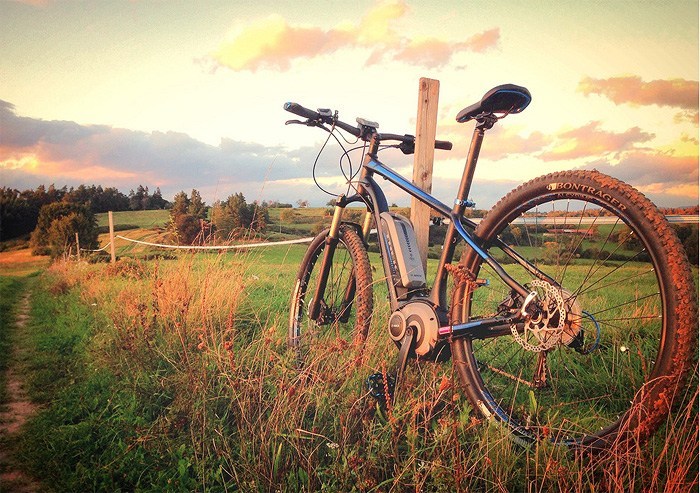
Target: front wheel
{"type": "Point", "coordinates": [616, 320]}
{"type": "Point", "coordinates": [345, 307]}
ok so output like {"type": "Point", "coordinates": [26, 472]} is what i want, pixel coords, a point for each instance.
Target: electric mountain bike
{"type": "Point", "coordinates": [572, 315]}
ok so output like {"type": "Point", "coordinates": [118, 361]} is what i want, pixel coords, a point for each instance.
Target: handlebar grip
{"type": "Point", "coordinates": [299, 110]}
{"type": "Point", "coordinates": [443, 144]}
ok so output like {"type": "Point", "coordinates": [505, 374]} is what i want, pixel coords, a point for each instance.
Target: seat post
{"type": "Point", "coordinates": [462, 199]}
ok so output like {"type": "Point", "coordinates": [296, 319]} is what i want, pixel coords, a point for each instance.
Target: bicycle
{"type": "Point", "coordinates": [572, 317]}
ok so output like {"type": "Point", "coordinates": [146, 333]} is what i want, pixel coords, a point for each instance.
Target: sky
{"type": "Point", "coordinates": [186, 95]}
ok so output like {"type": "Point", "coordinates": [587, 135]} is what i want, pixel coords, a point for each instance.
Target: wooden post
{"type": "Point", "coordinates": [426, 125]}
{"type": "Point", "coordinates": [111, 237]}
{"type": "Point", "coordinates": [77, 246]}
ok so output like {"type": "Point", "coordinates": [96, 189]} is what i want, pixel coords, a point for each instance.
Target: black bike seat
{"type": "Point", "coordinates": [506, 98]}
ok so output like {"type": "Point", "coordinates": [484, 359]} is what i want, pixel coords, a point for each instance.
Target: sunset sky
{"type": "Point", "coordinates": [185, 94]}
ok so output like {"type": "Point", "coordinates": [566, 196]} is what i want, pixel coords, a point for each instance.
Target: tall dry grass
{"type": "Point", "coordinates": [218, 403]}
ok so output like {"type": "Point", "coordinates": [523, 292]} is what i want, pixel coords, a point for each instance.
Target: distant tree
{"type": "Point", "coordinates": [56, 227]}
{"type": "Point", "coordinates": [234, 217]}
{"type": "Point", "coordinates": [274, 204]}
{"type": "Point", "coordinates": [189, 228]}
{"type": "Point", "coordinates": [187, 217]}
{"type": "Point", "coordinates": [260, 218]}
{"type": "Point", "coordinates": [139, 200]}
{"type": "Point", "coordinates": [111, 199]}
{"type": "Point", "coordinates": [688, 234]}
{"type": "Point", "coordinates": [197, 207]}
{"type": "Point", "coordinates": [80, 195]}
{"type": "Point", "coordinates": [157, 201]}
{"type": "Point", "coordinates": [301, 203]}
{"type": "Point", "coordinates": [181, 205]}
{"type": "Point", "coordinates": [18, 213]}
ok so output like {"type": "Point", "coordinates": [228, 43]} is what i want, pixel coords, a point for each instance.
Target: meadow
{"type": "Point", "coordinates": [172, 373]}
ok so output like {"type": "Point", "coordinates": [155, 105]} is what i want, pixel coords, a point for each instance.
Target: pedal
{"type": "Point", "coordinates": [383, 390]}
{"type": "Point", "coordinates": [379, 388]}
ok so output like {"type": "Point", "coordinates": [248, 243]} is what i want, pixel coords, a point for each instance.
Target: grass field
{"type": "Point", "coordinates": [20, 263]}
{"type": "Point", "coordinates": [141, 219]}
{"type": "Point", "coordinates": [173, 374]}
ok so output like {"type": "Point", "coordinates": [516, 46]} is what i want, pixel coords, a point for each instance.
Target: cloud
{"type": "Point", "coordinates": [34, 151]}
{"type": "Point", "coordinates": [679, 93]}
{"type": "Point", "coordinates": [274, 43]}
{"type": "Point", "coordinates": [433, 52]}
{"type": "Point", "coordinates": [687, 116]}
{"type": "Point", "coordinates": [668, 180]}
{"type": "Point", "coordinates": [591, 140]}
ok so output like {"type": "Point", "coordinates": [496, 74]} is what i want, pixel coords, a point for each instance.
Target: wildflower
{"type": "Point", "coordinates": [444, 384]}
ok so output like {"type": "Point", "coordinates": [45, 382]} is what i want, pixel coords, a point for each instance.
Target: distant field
{"type": "Point", "coordinates": [142, 219]}
{"type": "Point", "coordinates": [21, 263]}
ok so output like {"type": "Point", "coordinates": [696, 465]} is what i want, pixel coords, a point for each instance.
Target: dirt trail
{"type": "Point", "coordinates": [15, 413]}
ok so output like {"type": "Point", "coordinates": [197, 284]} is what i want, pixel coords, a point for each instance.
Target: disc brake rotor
{"type": "Point", "coordinates": [544, 331]}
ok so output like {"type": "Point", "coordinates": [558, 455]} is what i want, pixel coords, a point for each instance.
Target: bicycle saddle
{"type": "Point", "coordinates": [507, 98]}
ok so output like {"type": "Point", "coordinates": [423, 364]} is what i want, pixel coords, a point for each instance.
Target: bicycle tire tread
{"type": "Point", "coordinates": [679, 352]}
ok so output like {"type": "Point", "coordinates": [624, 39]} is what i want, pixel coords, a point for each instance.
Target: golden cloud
{"type": "Point", "coordinates": [433, 52]}
{"type": "Point", "coordinates": [273, 43]}
{"type": "Point", "coordinates": [590, 140]}
{"type": "Point", "coordinates": [679, 93]}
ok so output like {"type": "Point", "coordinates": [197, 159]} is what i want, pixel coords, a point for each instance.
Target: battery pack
{"type": "Point", "coordinates": [406, 263]}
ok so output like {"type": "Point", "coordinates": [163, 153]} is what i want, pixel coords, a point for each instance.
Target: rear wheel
{"type": "Point", "coordinates": [346, 305]}
{"type": "Point", "coordinates": [616, 324]}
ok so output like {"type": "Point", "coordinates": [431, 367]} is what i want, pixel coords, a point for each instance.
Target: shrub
{"type": "Point", "coordinates": [58, 222]}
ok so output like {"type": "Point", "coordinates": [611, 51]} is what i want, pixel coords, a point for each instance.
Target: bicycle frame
{"type": "Point", "coordinates": [460, 228]}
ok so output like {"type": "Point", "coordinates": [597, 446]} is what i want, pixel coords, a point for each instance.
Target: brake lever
{"type": "Point", "coordinates": [308, 123]}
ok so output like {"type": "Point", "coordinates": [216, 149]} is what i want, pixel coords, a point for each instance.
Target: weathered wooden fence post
{"type": "Point", "coordinates": [426, 125]}
{"type": "Point", "coordinates": [77, 246]}
{"type": "Point", "coordinates": [111, 237]}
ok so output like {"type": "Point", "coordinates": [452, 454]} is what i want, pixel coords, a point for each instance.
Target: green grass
{"type": "Point", "coordinates": [174, 376]}
{"type": "Point", "coordinates": [141, 219]}
{"type": "Point", "coordinates": [10, 290]}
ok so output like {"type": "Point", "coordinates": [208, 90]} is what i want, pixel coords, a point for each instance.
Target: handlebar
{"type": "Point", "coordinates": [326, 116]}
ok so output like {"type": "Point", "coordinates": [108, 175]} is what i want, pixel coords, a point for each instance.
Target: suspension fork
{"type": "Point", "coordinates": [326, 262]}
{"type": "Point", "coordinates": [352, 285]}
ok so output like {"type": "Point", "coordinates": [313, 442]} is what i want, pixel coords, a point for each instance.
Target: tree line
{"type": "Point", "coordinates": [19, 210]}
{"type": "Point", "coordinates": [52, 217]}
{"type": "Point", "coordinates": [193, 222]}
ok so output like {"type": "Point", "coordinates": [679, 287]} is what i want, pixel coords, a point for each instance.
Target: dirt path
{"type": "Point", "coordinates": [15, 414]}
